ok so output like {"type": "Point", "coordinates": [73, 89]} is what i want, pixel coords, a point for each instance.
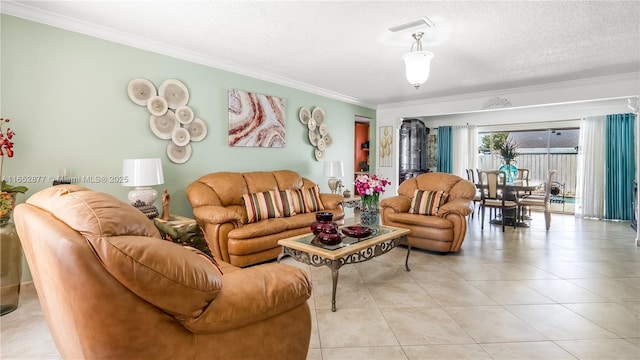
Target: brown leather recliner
{"type": "Point", "coordinates": [111, 288]}
{"type": "Point", "coordinates": [218, 208]}
{"type": "Point", "coordinates": [442, 233]}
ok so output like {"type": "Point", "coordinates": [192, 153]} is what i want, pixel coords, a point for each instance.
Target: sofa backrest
{"type": "Point", "coordinates": [454, 185]}
{"type": "Point", "coordinates": [226, 188]}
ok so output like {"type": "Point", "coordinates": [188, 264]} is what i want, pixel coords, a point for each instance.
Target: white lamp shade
{"type": "Point", "coordinates": [417, 65]}
{"type": "Point", "coordinates": [142, 172]}
{"type": "Point", "coordinates": [333, 169]}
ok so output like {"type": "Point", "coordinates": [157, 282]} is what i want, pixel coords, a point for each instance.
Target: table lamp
{"type": "Point", "coordinates": [334, 170]}
{"type": "Point", "coordinates": [143, 173]}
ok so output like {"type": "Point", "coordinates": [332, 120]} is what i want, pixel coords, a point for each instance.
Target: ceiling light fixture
{"type": "Point", "coordinates": [417, 62]}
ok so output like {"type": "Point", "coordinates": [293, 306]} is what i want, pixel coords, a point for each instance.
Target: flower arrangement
{"type": "Point", "coordinates": [370, 187]}
{"type": "Point", "coordinates": [7, 192]}
{"type": "Point", "coordinates": [509, 150]}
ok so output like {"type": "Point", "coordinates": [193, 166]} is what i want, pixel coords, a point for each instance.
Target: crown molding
{"type": "Point", "coordinates": [501, 93]}
{"type": "Point", "coordinates": [24, 11]}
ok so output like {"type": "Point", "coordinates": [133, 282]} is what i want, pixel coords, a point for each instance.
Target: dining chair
{"type": "Point", "coordinates": [523, 174]}
{"type": "Point", "coordinates": [494, 195]}
{"type": "Point", "coordinates": [471, 176]}
{"type": "Point", "coordinates": [541, 202]}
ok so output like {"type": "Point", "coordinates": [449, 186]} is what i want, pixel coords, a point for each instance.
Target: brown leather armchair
{"type": "Point", "coordinates": [443, 232]}
{"type": "Point", "coordinates": [111, 288]}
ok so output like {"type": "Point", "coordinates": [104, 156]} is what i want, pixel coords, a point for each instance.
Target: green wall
{"type": "Point", "coordinates": [66, 94]}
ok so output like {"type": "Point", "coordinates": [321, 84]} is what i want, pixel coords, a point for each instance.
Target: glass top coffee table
{"type": "Point", "coordinates": [351, 250]}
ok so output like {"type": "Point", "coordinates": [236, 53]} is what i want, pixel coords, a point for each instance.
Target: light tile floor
{"type": "Point", "coordinates": [571, 293]}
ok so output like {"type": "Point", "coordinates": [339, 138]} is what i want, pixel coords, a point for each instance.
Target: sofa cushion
{"type": "Point", "coordinates": [426, 202]}
{"type": "Point", "coordinates": [312, 202]}
{"type": "Point", "coordinates": [263, 205]}
{"type": "Point", "coordinates": [292, 202]}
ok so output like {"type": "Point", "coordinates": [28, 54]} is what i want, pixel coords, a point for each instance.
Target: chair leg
{"type": "Point", "coordinates": [547, 219]}
{"type": "Point", "coordinates": [504, 218]}
{"type": "Point", "coordinates": [482, 222]}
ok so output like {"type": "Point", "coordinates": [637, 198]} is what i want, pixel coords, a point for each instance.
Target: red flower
{"type": "Point", "coordinates": [5, 139]}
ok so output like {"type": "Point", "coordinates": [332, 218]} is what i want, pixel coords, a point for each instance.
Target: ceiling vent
{"type": "Point", "coordinates": [423, 21]}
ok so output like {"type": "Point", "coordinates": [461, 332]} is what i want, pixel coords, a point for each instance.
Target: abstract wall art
{"type": "Point", "coordinates": [256, 120]}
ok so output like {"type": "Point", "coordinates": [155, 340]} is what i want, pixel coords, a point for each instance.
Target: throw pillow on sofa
{"type": "Point", "coordinates": [263, 205]}
{"type": "Point", "coordinates": [293, 202]}
{"type": "Point", "coordinates": [426, 202]}
{"type": "Point", "coordinates": [312, 202]}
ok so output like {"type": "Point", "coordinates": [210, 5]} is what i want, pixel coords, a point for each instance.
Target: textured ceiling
{"type": "Point", "coordinates": [344, 47]}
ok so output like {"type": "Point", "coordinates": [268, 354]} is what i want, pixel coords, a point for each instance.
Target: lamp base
{"type": "Point", "coordinates": [146, 194]}
{"type": "Point", "coordinates": [149, 211]}
{"type": "Point", "coordinates": [333, 185]}
{"type": "Point", "coordinates": [143, 198]}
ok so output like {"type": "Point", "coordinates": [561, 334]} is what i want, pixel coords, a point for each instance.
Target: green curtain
{"type": "Point", "coordinates": [445, 148]}
{"type": "Point", "coordinates": [620, 166]}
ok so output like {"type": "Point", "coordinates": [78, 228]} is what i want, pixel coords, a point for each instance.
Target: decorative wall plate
{"type": "Point", "coordinates": [322, 129]}
{"type": "Point", "coordinates": [164, 126]}
{"type": "Point", "coordinates": [318, 115]}
{"type": "Point", "coordinates": [319, 154]}
{"type": "Point", "coordinates": [181, 136]}
{"type": "Point", "coordinates": [197, 128]}
{"type": "Point", "coordinates": [157, 105]}
{"type": "Point", "coordinates": [140, 91]}
{"type": "Point", "coordinates": [178, 154]}
{"type": "Point", "coordinates": [304, 115]}
{"type": "Point", "coordinates": [175, 92]}
{"type": "Point", "coordinates": [313, 137]}
{"type": "Point", "coordinates": [328, 139]}
{"type": "Point", "coordinates": [184, 114]}
{"type": "Point", "coordinates": [321, 144]}
{"type": "Point", "coordinates": [311, 124]}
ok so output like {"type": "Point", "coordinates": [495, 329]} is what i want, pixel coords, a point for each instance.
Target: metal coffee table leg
{"type": "Point", "coordinates": [334, 276]}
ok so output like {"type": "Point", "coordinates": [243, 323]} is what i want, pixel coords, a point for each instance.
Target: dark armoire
{"type": "Point", "coordinates": [413, 149]}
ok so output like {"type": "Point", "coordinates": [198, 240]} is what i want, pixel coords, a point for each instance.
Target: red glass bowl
{"type": "Point", "coordinates": [357, 231]}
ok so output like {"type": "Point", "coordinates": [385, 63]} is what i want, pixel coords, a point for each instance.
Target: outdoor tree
{"type": "Point", "coordinates": [498, 140]}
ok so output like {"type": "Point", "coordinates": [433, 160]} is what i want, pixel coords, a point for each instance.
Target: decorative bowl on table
{"type": "Point", "coordinates": [357, 231]}
{"type": "Point", "coordinates": [329, 238]}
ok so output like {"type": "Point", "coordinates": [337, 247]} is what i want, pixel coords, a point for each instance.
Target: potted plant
{"type": "Point", "coordinates": [509, 151]}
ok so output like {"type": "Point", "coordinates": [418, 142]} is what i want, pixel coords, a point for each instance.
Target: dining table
{"type": "Point", "coordinates": [515, 189]}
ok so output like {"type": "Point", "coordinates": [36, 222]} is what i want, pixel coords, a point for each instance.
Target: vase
{"type": "Point", "coordinates": [322, 218]}
{"type": "Point", "coordinates": [511, 171]}
{"type": "Point", "coordinates": [10, 266]}
{"type": "Point", "coordinates": [369, 210]}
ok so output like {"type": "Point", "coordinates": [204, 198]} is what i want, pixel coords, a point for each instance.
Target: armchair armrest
{"type": "Point", "coordinates": [460, 206]}
{"type": "Point", "coordinates": [331, 201]}
{"type": "Point", "coordinates": [399, 203]}
{"type": "Point", "coordinates": [216, 215]}
{"type": "Point", "coordinates": [250, 295]}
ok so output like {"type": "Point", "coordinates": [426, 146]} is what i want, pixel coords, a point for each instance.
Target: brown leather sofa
{"type": "Point", "coordinates": [219, 209]}
{"type": "Point", "coordinates": [444, 232]}
{"type": "Point", "coordinates": [111, 288]}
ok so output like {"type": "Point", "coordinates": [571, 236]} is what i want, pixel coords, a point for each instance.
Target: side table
{"type": "Point", "coordinates": [354, 202]}
{"type": "Point", "coordinates": [184, 231]}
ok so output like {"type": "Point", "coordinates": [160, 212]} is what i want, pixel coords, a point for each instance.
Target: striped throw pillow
{"type": "Point", "coordinates": [426, 202]}
{"type": "Point", "coordinates": [292, 202]}
{"type": "Point", "coordinates": [312, 201]}
{"type": "Point", "coordinates": [263, 205]}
